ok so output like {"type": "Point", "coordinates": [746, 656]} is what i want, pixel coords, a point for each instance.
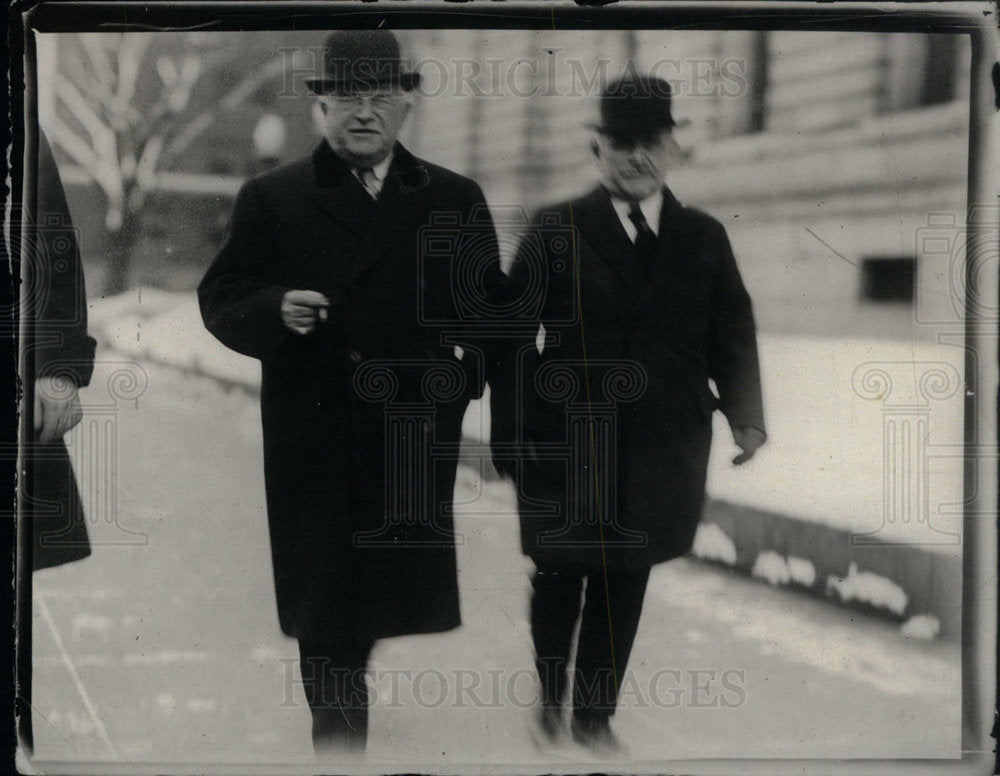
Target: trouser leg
{"type": "Point", "coordinates": [333, 677]}
{"type": "Point", "coordinates": [555, 607]}
{"type": "Point", "coordinates": [607, 632]}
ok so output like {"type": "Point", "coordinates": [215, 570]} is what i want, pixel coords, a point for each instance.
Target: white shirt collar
{"type": "Point", "coordinates": [379, 170]}
{"type": "Point", "coordinates": [650, 208]}
{"type": "Point", "coordinates": [382, 168]}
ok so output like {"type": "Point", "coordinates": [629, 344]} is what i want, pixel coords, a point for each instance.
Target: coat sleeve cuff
{"type": "Point", "coordinates": [73, 360]}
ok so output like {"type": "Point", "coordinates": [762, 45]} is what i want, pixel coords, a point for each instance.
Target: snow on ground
{"type": "Point", "coordinates": [177, 606]}
{"type": "Point", "coordinates": [829, 454]}
{"type": "Point", "coordinates": [166, 327]}
{"type": "Point", "coordinates": [834, 422]}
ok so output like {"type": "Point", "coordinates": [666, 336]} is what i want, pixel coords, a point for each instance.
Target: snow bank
{"type": "Point", "coordinates": [712, 543]}
{"type": "Point", "coordinates": [166, 328]}
{"type": "Point", "coordinates": [922, 626]}
{"type": "Point", "coordinates": [772, 567]}
{"type": "Point", "coordinates": [868, 588]}
{"type": "Point", "coordinates": [801, 571]}
{"type": "Point", "coordinates": [779, 570]}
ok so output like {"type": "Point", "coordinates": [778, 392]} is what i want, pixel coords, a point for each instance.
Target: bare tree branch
{"type": "Point", "coordinates": [90, 42]}
{"type": "Point", "coordinates": [81, 152]}
{"type": "Point", "coordinates": [104, 175]}
{"type": "Point", "coordinates": [122, 136]}
{"type": "Point", "coordinates": [130, 54]}
{"type": "Point", "coordinates": [236, 97]}
{"type": "Point", "coordinates": [146, 171]}
{"type": "Point", "coordinates": [101, 135]}
{"type": "Point", "coordinates": [81, 74]}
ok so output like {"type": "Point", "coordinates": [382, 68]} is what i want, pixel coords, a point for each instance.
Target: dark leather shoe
{"type": "Point", "coordinates": [596, 734]}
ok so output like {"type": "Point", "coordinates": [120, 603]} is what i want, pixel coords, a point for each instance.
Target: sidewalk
{"type": "Point", "coordinates": [828, 505]}
{"type": "Point", "coordinates": [164, 647]}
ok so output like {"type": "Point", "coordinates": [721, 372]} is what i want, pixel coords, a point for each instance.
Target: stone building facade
{"type": "Point", "coordinates": [827, 155]}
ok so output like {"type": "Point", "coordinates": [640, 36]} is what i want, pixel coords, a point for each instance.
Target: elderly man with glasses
{"type": "Point", "coordinates": [367, 370]}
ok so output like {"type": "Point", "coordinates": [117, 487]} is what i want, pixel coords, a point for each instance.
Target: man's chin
{"type": "Point", "coordinates": [364, 153]}
{"type": "Point", "coordinates": [636, 191]}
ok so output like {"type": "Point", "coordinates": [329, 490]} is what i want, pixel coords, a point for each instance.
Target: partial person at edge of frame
{"type": "Point", "coordinates": [63, 356]}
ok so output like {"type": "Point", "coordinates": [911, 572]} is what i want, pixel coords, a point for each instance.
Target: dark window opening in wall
{"type": "Point", "coordinates": [919, 70]}
{"type": "Point", "coordinates": [888, 279]}
{"type": "Point", "coordinates": [744, 112]}
{"type": "Point", "coordinates": [940, 69]}
{"type": "Point", "coordinates": [631, 46]}
{"type": "Point", "coordinates": [757, 78]}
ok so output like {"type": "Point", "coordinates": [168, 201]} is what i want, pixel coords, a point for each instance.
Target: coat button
{"type": "Point", "coordinates": [354, 356]}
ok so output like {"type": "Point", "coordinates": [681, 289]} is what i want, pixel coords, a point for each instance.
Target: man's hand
{"type": "Point", "coordinates": [57, 407]}
{"type": "Point", "coordinates": [302, 310]}
{"type": "Point", "coordinates": [748, 440]}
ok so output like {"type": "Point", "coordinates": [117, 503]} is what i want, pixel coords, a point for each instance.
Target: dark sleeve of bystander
{"type": "Point", "coordinates": [57, 303]}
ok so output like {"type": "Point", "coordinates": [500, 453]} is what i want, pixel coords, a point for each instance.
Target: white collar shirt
{"type": "Point", "coordinates": [650, 208]}
{"type": "Point", "coordinates": [377, 179]}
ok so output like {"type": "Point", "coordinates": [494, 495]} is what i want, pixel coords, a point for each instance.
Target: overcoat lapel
{"type": "Point", "coordinates": [381, 225]}
{"type": "Point", "coordinates": [339, 193]}
{"type": "Point", "coordinates": [598, 224]}
{"type": "Point", "coordinates": [399, 201]}
{"type": "Point", "coordinates": [602, 229]}
{"type": "Point", "coordinates": [671, 235]}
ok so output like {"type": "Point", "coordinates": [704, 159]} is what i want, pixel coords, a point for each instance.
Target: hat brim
{"type": "Point", "coordinates": [632, 132]}
{"type": "Point", "coordinates": [407, 81]}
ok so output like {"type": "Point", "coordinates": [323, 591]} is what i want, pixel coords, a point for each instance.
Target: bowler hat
{"type": "Point", "coordinates": [362, 59]}
{"type": "Point", "coordinates": [635, 107]}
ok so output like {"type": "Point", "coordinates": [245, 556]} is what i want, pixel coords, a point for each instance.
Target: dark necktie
{"type": "Point", "coordinates": [645, 238]}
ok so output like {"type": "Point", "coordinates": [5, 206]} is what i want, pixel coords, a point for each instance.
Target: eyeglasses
{"type": "Point", "coordinates": [379, 103]}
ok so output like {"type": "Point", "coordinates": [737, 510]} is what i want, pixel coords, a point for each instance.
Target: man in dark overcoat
{"type": "Point", "coordinates": [60, 354]}
{"type": "Point", "coordinates": [642, 305]}
{"type": "Point", "coordinates": [335, 277]}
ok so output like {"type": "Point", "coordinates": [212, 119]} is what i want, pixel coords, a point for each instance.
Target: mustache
{"type": "Point", "coordinates": [635, 170]}
{"type": "Point", "coordinates": [641, 166]}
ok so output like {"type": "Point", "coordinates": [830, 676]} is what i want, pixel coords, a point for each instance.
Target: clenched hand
{"type": "Point", "coordinates": [302, 310]}
{"type": "Point", "coordinates": [748, 440]}
{"type": "Point", "coordinates": [57, 407]}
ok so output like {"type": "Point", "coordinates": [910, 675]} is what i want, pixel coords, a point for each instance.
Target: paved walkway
{"type": "Point", "coordinates": [164, 645]}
